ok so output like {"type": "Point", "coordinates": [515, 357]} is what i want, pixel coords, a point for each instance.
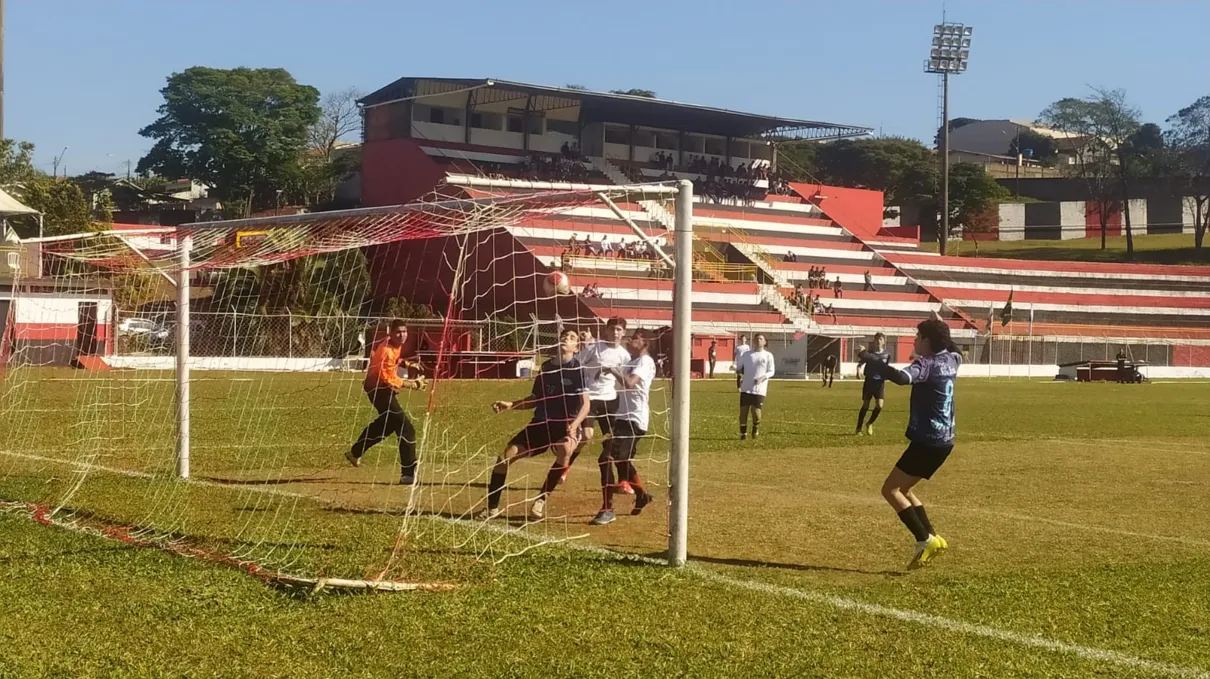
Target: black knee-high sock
{"type": "Point", "coordinates": [743, 429]}
{"type": "Point", "coordinates": [552, 479]}
{"type": "Point", "coordinates": [924, 519]}
{"type": "Point", "coordinates": [875, 413]}
{"type": "Point", "coordinates": [912, 521]}
{"type": "Point", "coordinates": [495, 487]}
{"type": "Point", "coordinates": [861, 416]}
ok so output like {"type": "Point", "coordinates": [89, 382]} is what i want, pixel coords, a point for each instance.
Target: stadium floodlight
{"type": "Point", "coordinates": [950, 53]}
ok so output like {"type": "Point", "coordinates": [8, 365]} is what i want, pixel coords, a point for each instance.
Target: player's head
{"type": "Point", "coordinates": [615, 330]}
{"type": "Point", "coordinates": [569, 341]}
{"type": "Point", "coordinates": [397, 332]}
{"type": "Point", "coordinates": [585, 335]}
{"type": "Point", "coordinates": [638, 343]}
{"type": "Point", "coordinates": [760, 340]}
{"type": "Point", "coordinates": [933, 336]}
{"type": "Point", "coordinates": [743, 339]}
{"type": "Point", "coordinates": [879, 341]}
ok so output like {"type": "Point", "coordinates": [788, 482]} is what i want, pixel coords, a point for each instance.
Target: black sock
{"type": "Point", "coordinates": [924, 519]}
{"type": "Point", "coordinates": [912, 521]}
{"type": "Point", "coordinates": [861, 417]}
{"type": "Point", "coordinates": [874, 415]}
{"type": "Point", "coordinates": [755, 427]}
{"type": "Point", "coordinates": [552, 479]}
{"type": "Point", "coordinates": [743, 430]}
{"type": "Point", "coordinates": [495, 487]}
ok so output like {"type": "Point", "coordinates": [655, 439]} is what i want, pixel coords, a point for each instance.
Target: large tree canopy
{"type": "Point", "coordinates": [903, 169]}
{"type": "Point", "coordinates": [1188, 141]}
{"type": "Point", "coordinates": [239, 130]}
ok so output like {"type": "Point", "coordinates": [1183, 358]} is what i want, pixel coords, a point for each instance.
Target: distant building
{"type": "Point", "coordinates": [976, 142]}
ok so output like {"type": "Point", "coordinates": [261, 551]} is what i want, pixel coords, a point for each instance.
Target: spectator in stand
{"type": "Point", "coordinates": [605, 246]}
{"type": "Point", "coordinates": [830, 310]}
{"type": "Point", "coordinates": [818, 304]}
{"type": "Point", "coordinates": [822, 275]}
{"type": "Point", "coordinates": [869, 282]}
{"type": "Point", "coordinates": [565, 149]}
{"type": "Point", "coordinates": [798, 298]}
{"type": "Point", "coordinates": [572, 244]}
{"type": "Point", "coordinates": [837, 288]}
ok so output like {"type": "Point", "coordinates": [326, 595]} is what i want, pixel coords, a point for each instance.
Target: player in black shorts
{"type": "Point", "coordinates": [930, 430]}
{"type": "Point", "coordinates": [828, 372]}
{"type": "Point", "coordinates": [560, 403]}
{"type": "Point", "coordinates": [874, 387]}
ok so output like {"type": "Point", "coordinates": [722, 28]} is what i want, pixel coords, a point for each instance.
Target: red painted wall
{"type": "Point", "coordinates": [858, 210]}
{"type": "Point", "coordinates": [396, 171]}
{"type": "Point", "coordinates": [906, 345]}
{"type": "Point", "coordinates": [1092, 221]}
{"type": "Point", "coordinates": [1195, 356]}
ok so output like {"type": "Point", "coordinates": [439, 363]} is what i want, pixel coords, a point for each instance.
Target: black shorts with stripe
{"type": "Point", "coordinates": [626, 435]}
{"type": "Point", "coordinates": [601, 415]}
{"type": "Point", "coordinates": [537, 437]}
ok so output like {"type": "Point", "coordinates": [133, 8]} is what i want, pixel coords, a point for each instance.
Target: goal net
{"type": "Point", "coordinates": [240, 458]}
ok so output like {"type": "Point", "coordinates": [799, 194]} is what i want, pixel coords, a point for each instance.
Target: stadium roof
{"type": "Point", "coordinates": [618, 108]}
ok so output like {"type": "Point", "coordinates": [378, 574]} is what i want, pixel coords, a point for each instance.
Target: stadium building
{"type": "Point", "coordinates": [756, 236]}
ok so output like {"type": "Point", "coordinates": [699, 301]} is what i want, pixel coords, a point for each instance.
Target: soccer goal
{"type": "Point", "coordinates": [197, 389]}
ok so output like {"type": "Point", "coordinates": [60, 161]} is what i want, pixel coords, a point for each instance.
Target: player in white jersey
{"type": "Point", "coordinates": [629, 425]}
{"type": "Point", "coordinates": [598, 360]}
{"type": "Point", "coordinates": [757, 368]}
{"type": "Point", "coordinates": [741, 348]}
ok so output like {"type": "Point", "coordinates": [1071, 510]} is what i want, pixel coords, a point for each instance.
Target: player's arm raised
{"type": "Point", "coordinates": [913, 373]}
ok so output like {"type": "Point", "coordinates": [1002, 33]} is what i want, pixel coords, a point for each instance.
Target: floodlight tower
{"type": "Point", "coordinates": [951, 49]}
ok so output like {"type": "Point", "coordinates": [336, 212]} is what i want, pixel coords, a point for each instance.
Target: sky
{"type": "Point", "coordinates": [85, 75]}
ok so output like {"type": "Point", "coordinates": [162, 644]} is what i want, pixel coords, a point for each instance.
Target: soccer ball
{"type": "Point", "coordinates": [556, 283]}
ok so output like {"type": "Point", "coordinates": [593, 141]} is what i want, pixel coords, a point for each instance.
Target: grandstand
{"type": "Point", "coordinates": [757, 235]}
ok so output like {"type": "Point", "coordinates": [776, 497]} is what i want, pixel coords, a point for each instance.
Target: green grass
{"type": "Point", "coordinates": [1076, 513]}
{"type": "Point", "coordinates": [1154, 249]}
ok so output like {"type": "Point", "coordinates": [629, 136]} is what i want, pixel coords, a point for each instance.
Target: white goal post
{"type": "Point", "coordinates": [379, 218]}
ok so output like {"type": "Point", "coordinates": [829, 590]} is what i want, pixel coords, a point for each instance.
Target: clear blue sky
{"type": "Point", "coordinates": [86, 74]}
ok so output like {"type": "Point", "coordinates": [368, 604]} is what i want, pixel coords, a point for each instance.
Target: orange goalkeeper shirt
{"type": "Point", "coordinates": [383, 369]}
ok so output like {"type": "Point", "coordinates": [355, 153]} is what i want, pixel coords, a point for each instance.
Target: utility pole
{"type": "Point", "coordinates": [944, 237]}
{"type": "Point", "coordinates": [2, 69]}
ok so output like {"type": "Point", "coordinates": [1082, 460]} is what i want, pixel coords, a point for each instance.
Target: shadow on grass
{"type": "Point", "coordinates": [756, 563]}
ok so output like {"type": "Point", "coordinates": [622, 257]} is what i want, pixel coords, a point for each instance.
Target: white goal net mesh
{"type": "Point", "coordinates": [284, 315]}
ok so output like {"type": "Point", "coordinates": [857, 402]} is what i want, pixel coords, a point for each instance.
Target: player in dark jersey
{"type": "Point", "coordinates": [874, 387]}
{"type": "Point", "coordinates": [560, 403]}
{"type": "Point", "coordinates": [828, 371]}
{"type": "Point", "coordinates": [930, 430]}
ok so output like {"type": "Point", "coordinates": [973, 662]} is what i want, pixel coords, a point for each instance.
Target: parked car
{"type": "Point", "coordinates": [143, 327]}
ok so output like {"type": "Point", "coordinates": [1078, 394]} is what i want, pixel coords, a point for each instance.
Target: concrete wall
{"type": "Point", "coordinates": [1080, 219]}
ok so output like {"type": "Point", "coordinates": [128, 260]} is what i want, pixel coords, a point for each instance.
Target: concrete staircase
{"type": "Point", "coordinates": [802, 322]}
{"type": "Point", "coordinates": [761, 259]}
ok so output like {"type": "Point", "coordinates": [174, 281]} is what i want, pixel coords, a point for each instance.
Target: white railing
{"type": "Point", "coordinates": [761, 259]}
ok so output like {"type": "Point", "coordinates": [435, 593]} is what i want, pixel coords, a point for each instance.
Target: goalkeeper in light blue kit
{"type": "Point", "coordinates": [930, 430]}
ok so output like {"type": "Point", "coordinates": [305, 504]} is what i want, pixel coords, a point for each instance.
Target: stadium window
{"type": "Point", "coordinates": [716, 146]}
{"type": "Point", "coordinates": [516, 123]}
{"type": "Point", "coordinates": [665, 140]}
{"type": "Point", "coordinates": [617, 135]}
{"type": "Point", "coordinates": [485, 120]}
{"type": "Point", "coordinates": [437, 115]}
{"type": "Point", "coordinates": [536, 123]}
{"type": "Point", "coordinates": [570, 128]}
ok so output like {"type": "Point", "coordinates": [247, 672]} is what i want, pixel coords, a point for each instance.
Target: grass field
{"type": "Point", "coordinates": [1154, 249]}
{"type": "Point", "coordinates": [1078, 518]}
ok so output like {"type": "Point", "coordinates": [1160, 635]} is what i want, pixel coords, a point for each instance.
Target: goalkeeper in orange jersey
{"type": "Point", "coordinates": [382, 383]}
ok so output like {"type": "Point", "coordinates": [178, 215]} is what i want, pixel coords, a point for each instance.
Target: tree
{"type": "Point", "coordinates": [1035, 146]}
{"type": "Point", "coordinates": [1102, 125]}
{"type": "Point", "coordinates": [572, 86]}
{"type": "Point", "coordinates": [974, 195]}
{"type": "Point", "coordinates": [635, 92]}
{"type": "Point", "coordinates": [16, 162]}
{"type": "Point", "coordinates": [339, 117]}
{"type": "Point", "coordinates": [64, 207]}
{"type": "Point", "coordinates": [238, 130]}
{"type": "Point", "coordinates": [903, 169]}
{"type": "Point", "coordinates": [1188, 139]}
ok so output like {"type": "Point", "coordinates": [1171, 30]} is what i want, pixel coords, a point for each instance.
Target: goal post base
{"type": "Point", "coordinates": [317, 585]}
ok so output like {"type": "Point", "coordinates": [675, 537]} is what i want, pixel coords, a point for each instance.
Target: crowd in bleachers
{"type": "Point", "coordinates": [812, 306]}
{"type": "Point", "coordinates": [565, 167]}
{"type": "Point", "coordinates": [721, 183]}
{"type": "Point", "coordinates": [609, 248]}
